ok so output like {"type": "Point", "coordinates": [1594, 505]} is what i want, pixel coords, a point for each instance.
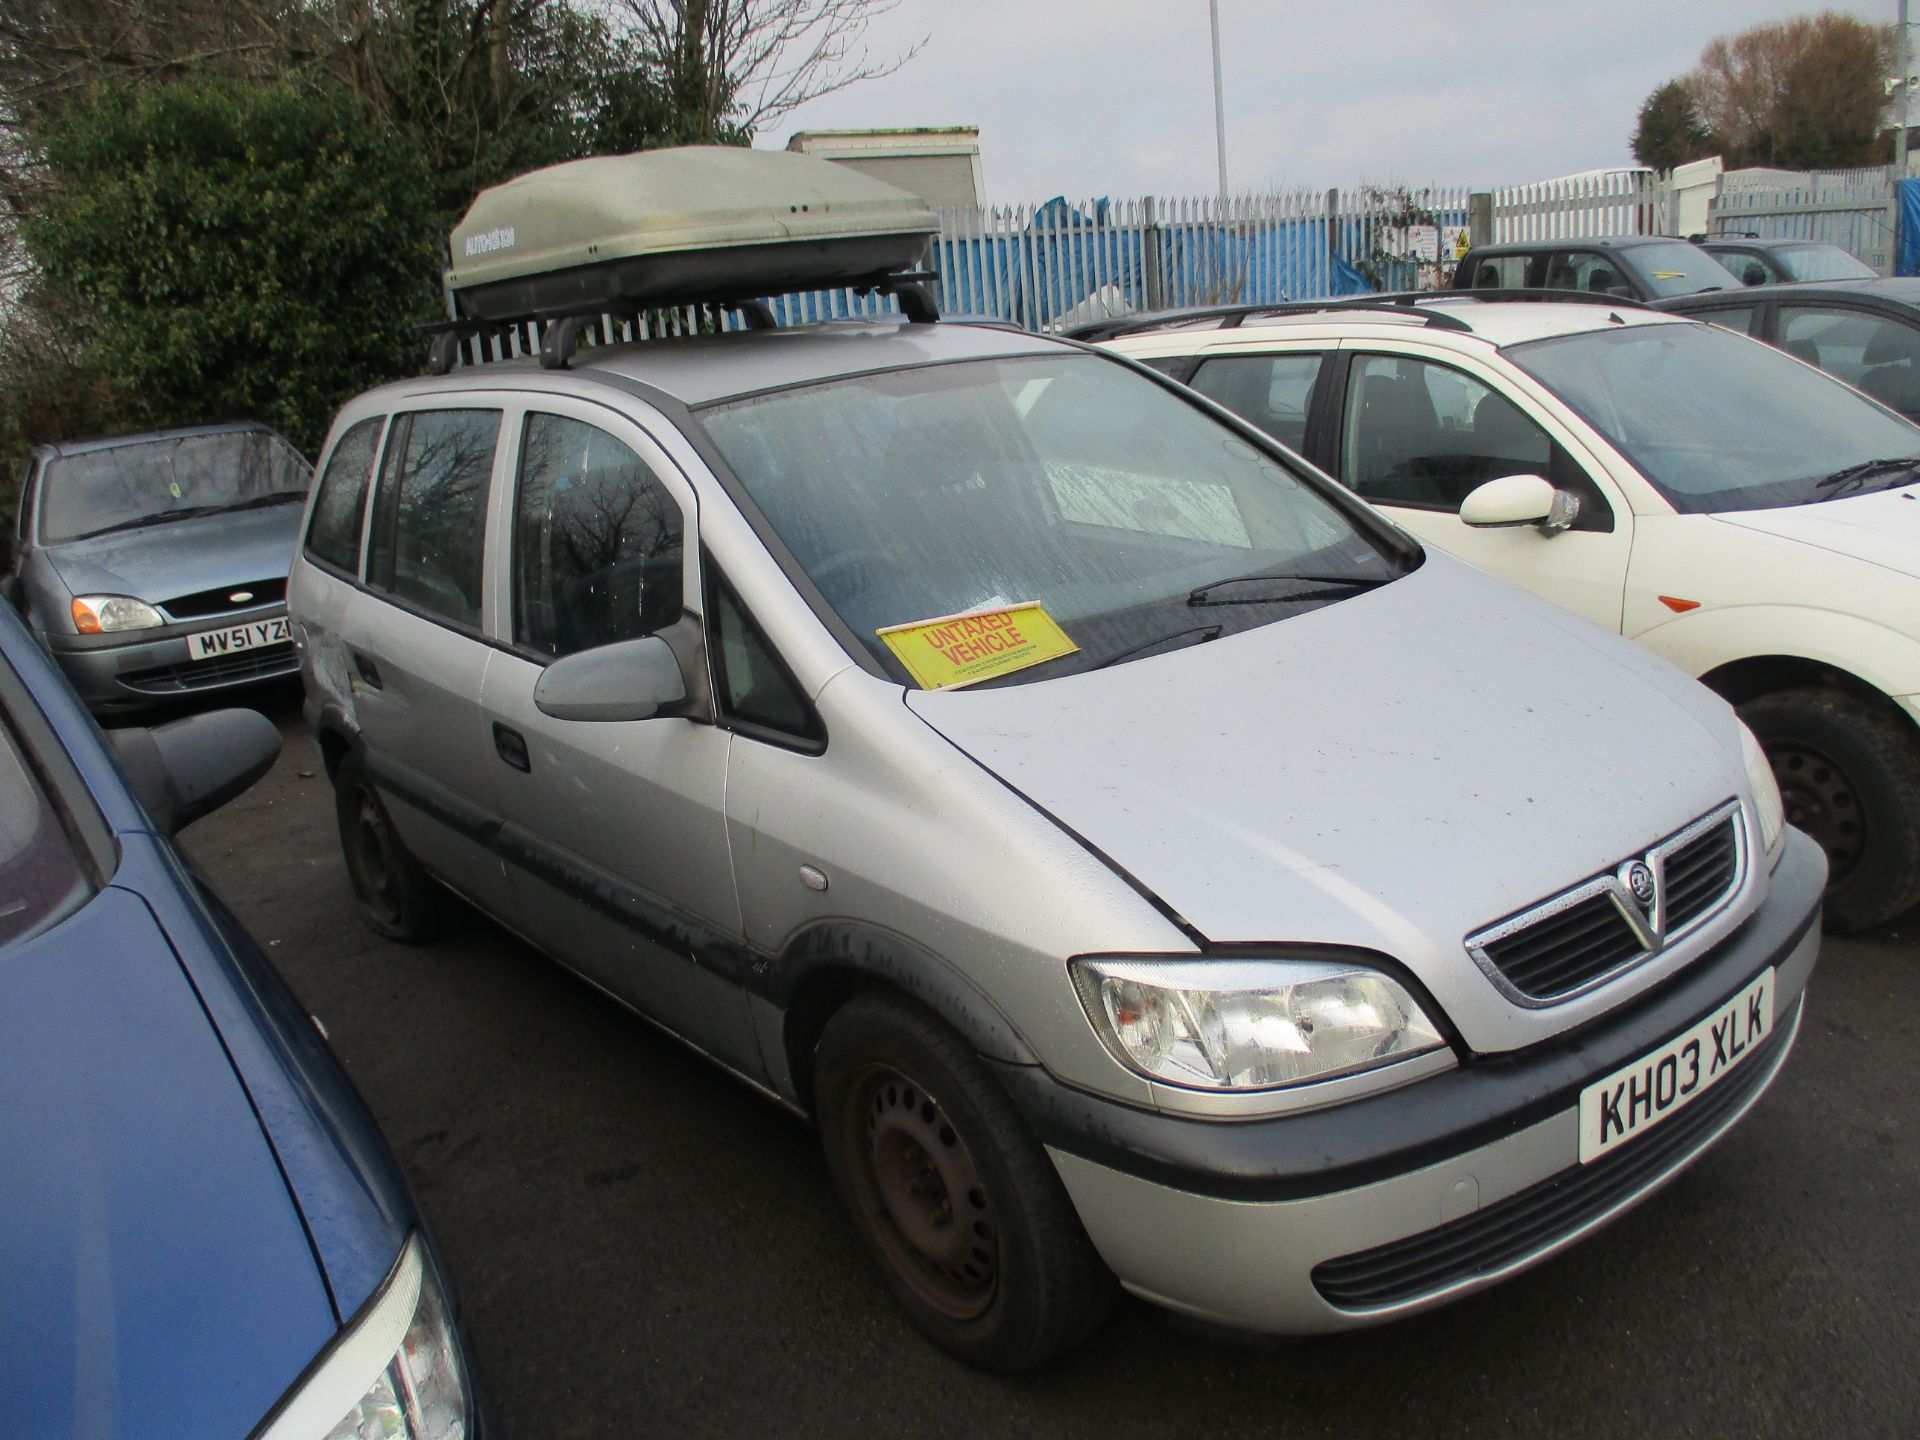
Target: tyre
{"type": "Point", "coordinates": [953, 1197]}
{"type": "Point", "coordinates": [1849, 774]}
{"type": "Point", "coordinates": [395, 897]}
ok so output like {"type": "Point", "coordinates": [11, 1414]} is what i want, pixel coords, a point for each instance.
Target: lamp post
{"type": "Point", "coordinates": [1219, 102]}
{"type": "Point", "coordinates": [1899, 89]}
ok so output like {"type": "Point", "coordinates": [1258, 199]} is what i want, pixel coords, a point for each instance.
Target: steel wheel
{"type": "Point", "coordinates": [921, 1194]}
{"type": "Point", "coordinates": [373, 857]}
{"type": "Point", "coordinates": [1822, 799]}
{"type": "Point", "coordinates": [394, 895]}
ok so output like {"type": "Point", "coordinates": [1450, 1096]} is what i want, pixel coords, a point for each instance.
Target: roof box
{"type": "Point", "coordinates": [702, 223]}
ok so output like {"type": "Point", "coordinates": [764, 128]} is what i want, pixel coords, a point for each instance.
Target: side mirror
{"type": "Point", "coordinates": [1520, 500]}
{"type": "Point", "coordinates": [632, 680]}
{"type": "Point", "coordinates": [189, 768]}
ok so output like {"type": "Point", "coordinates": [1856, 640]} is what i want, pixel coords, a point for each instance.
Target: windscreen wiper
{"type": "Point", "coordinates": [1328, 584]}
{"type": "Point", "coordinates": [1845, 481]}
{"type": "Point", "coordinates": [138, 522]}
{"type": "Point", "coordinates": [1200, 634]}
{"type": "Point", "coordinates": [278, 497]}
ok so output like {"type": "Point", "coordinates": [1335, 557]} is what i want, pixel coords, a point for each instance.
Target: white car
{"type": "Point", "coordinates": [1738, 512]}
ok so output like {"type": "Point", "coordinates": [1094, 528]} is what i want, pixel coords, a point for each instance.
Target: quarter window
{"type": "Point", "coordinates": [431, 515]}
{"type": "Point", "coordinates": [1426, 435]}
{"type": "Point", "coordinates": [1737, 318]}
{"type": "Point", "coordinates": [754, 685]}
{"type": "Point", "coordinates": [339, 508]}
{"type": "Point", "coordinates": [598, 541]}
{"type": "Point", "coordinates": [1269, 391]}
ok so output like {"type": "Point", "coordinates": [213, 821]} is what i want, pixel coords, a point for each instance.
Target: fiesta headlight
{"type": "Point", "coordinates": [1767, 807]}
{"type": "Point", "coordinates": [1250, 1024]}
{"type": "Point", "coordinates": [395, 1374]}
{"type": "Point", "coordinates": [103, 614]}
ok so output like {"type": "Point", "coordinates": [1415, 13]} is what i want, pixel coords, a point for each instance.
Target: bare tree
{"type": "Point", "coordinates": [742, 64]}
{"type": "Point", "coordinates": [1803, 93]}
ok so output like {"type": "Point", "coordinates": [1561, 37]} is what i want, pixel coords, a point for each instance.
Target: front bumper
{"type": "Point", "coordinates": [140, 668]}
{"type": "Point", "coordinates": [1386, 1206]}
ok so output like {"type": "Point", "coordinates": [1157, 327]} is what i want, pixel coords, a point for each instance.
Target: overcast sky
{"type": "Point", "coordinates": [1115, 97]}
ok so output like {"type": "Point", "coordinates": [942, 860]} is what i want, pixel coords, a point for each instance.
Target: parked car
{"type": "Point", "coordinates": [1865, 332]}
{"type": "Point", "coordinates": [155, 566]}
{"type": "Point", "coordinates": [201, 1231]}
{"type": "Point", "coordinates": [1743, 517]}
{"type": "Point", "coordinates": [1755, 260]}
{"type": "Point", "coordinates": [1135, 855]}
{"type": "Point", "coordinates": [1638, 267]}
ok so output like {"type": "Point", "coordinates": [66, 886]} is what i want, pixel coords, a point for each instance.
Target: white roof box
{"type": "Point", "coordinates": [679, 227]}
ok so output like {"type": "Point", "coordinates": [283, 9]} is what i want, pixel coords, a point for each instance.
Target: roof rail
{"type": "Point", "coordinates": [1232, 316]}
{"type": "Point", "coordinates": [1542, 293]}
{"type": "Point", "coordinates": [560, 331]}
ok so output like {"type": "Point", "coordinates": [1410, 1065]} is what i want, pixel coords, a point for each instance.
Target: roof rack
{"type": "Point", "coordinates": [1232, 316]}
{"type": "Point", "coordinates": [560, 331]}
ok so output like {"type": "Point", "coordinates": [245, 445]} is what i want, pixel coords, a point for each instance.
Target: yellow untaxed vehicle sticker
{"type": "Point", "coordinates": [962, 649]}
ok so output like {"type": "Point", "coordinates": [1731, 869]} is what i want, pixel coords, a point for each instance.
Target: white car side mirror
{"type": "Point", "coordinates": [1519, 500]}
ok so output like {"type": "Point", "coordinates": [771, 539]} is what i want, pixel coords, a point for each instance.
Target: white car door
{"type": "Point", "coordinates": [1415, 434]}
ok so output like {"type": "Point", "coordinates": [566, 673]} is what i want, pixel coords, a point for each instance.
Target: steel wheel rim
{"type": "Point", "coordinates": [371, 860]}
{"type": "Point", "coordinates": [920, 1193]}
{"type": "Point", "coordinates": [1821, 799]}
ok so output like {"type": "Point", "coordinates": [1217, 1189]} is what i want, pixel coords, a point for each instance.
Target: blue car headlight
{"type": "Point", "coordinates": [394, 1374]}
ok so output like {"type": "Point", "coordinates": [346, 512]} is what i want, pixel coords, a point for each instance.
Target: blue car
{"type": "Point", "coordinates": [202, 1233]}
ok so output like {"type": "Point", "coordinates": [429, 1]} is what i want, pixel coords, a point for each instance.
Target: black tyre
{"type": "Point", "coordinates": [1849, 774]}
{"type": "Point", "coordinates": [953, 1197]}
{"type": "Point", "coordinates": [396, 898]}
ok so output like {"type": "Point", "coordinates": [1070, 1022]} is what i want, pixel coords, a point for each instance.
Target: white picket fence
{"type": "Point", "coordinates": [1851, 209]}
{"type": "Point", "coordinates": [1610, 202]}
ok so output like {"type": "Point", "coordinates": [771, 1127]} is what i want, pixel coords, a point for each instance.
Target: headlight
{"type": "Point", "coordinates": [1250, 1024]}
{"type": "Point", "coordinates": [95, 614]}
{"type": "Point", "coordinates": [396, 1375]}
{"type": "Point", "coordinates": [1768, 810]}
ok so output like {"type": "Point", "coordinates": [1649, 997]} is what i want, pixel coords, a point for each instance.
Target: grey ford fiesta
{"type": "Point", "coordinates": [154, 566]}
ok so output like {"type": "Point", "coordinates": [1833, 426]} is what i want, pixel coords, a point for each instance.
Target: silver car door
{"type": "Point", "coordinates": [414, 642]}
{"type": "Point", "coordinates": [614, 832]}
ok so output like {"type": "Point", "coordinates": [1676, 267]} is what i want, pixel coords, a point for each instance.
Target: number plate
{"type": "Point", "coordinates": [212, 644]}
{"type": "Point", "coordinates": [1633, 1100]}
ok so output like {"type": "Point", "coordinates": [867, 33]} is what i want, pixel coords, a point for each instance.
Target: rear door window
{"type": "Point", "coordinates": [430, 516]}
{"type": "Point", "coordinates": [1737, 318]}
{"type": "Point", "coordinates": [339, 510]}
{"type": "Point", "coordinates": [1500, 272]}
{"type": "Point", "coordinates": [598, 543]}
{"type": "Point", "coordinates": [1273, 392]}
{"type": "Point", "coordinates": [1874, 353]}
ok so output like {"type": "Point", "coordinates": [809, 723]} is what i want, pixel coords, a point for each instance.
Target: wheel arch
{"type": "Point", "coordinates": [1738, 681]}
{"type": "Point", "coordinates": [336, 739]}
{"type": "Point", "coordinates": [828, 964]}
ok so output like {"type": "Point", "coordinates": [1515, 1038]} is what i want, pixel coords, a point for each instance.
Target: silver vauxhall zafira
{"type": "Point", "coordinates": [1288, 920]}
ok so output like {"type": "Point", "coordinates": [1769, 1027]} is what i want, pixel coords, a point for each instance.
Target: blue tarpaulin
{"type": "Point", "coordinates": [1907, 257]}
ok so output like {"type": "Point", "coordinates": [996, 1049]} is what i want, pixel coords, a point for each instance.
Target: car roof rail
{"type": "Point", "coordinates": [560, 331]}
{"type": "Point", "coordinates": [1534, 293]}
{"type": "Point", "coordinates": [1232, 316]}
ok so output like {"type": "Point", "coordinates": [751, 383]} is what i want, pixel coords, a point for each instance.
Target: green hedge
{"type": "Point", "coordinates": [239, 251]}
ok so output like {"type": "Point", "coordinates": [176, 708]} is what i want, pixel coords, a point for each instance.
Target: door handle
{"type": "Point", "coordinates": [512, 747]}
{"type": "Point", "coordinates": [368, 672]}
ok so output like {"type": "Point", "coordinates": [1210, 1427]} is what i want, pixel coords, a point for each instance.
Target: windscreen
{"type": "Point", "coordinates": [1680, 268]}
{"type": "Point", "coordinates": [1068, 481]}
{"type": "Point", "coordinates": [1821, 262]}
{"type": "Point", "coordinates": [1720, 422]}
{"type": "Point", "coordinates": [152, 481]}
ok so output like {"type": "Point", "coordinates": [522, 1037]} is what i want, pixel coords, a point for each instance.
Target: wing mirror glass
{"type": "Point", "coordinates": [188, 768]}
{"type": "Point", "coordinates": [1514, 500]}
{"type": "Point", "coordinates": [630, 680]}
